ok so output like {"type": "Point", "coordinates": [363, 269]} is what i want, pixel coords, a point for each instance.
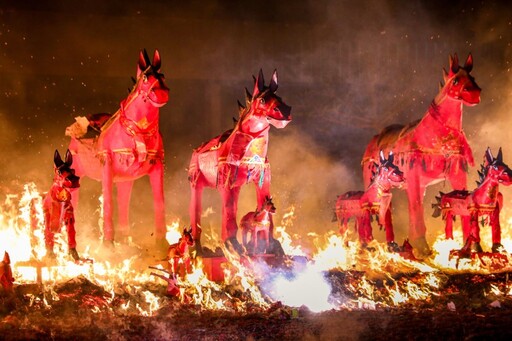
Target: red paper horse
{"type": "Point", "coordinates": [237, 157]}
{"type": "Point", "coordinates": [433, 148]}
{"type": "Point", "coordinates": [57, 206]}
{"type": "Point", "coordinates": [484, 203]}
{"type": "Point", "coordinates": [6, 279]}
{"type": "Point", "coordinates": [178, 253]}
{"type": "Point", "coordinates": [256, 223]}
{"type": "Point", "coordinates": [128, 147]}
{"type": "Point", "coordinates": [376, 200]}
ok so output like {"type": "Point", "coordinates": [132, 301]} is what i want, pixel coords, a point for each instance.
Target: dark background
{"type": "Point", "coordinates": [347, 69]}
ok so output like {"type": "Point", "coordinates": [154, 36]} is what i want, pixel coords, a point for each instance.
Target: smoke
{"type": "Point", "coordinates": [347, 69]}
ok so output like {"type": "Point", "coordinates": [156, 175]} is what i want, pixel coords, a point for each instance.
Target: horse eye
{"type": "Point", "coordinates": [262, 101]}
{"type": "Point", "coordinates": [455, 81]}
{"type": "Point", "coordinates": [145, 78]}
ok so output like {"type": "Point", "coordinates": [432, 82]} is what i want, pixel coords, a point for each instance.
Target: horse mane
{"type": "Point", "coordinates": [482, 174]}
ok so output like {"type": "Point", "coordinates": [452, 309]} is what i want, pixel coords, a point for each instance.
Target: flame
{"type": "Point", "coordinates": [368, 279]}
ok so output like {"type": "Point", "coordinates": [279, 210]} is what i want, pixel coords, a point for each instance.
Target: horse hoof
{"type": "Point", "coordinates": [74, 254]}
{"type": "Point", "coordinates": [393, 247]}
{"type": "Point", "coordinates": [475, 247]}
{"type": "Point", "coordinates": [497, 248]}
{"type": "Point", "coordinates": [365, 246]}
{"type": "Point", "coordinates": [422, 248]}
{"type": "Point", "coordinates": [50, 255]}
{"type": "Point", "coordinates": [235, 245]}
{"type": "Point", "coordinates": [198, 248]}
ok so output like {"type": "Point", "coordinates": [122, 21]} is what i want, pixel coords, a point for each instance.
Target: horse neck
{"type": "Point", "coordinates": [182, 246]}
{"type": "Point", "coordinates": [447, 111]}
{"type": "Point", "coordinates": [136, 109]}
{"type": "Point", "coordinates": [377, 189]}
{"type": "Point", "coordinates": [486, 190]}
{"type": "Point", "coordinates": [246, 126]}
{"type": "Point", "coordinates": [57, 187]}
{"type": "Point", "coordinates": [263, 215]}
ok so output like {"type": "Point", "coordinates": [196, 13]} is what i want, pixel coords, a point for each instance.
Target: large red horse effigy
{"type": "Point", "coordinates": [237, 157]}
{"type": "Point", "coordinates": [433, 148]}
{"type": "Point", "coordinates": [126, 146]}
{"type": "Point", "coordinates": [480, 206]}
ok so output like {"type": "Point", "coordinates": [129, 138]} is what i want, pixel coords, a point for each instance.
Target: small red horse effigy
{"type": "Point", "coordinates": [376, 200]}
{"type": "Point", "coordinates": [433, 148]}
{"type": "Point", "coordinates": [6, 279]}
{"type": "Point", "coordinates": [57, 206]}
{"type": "Point", "coordinates": [178, 253]}
{"type": "Point", "coordinates": [482, 205]}
{"type": "Point", "coordinates": [237, 157]}
{"type": "Point", "coordinates": [126, 146]}
{"type": "Point", "coordinates": [256, 223]}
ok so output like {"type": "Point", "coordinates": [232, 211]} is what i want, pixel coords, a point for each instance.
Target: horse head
{"type": "Point", "coordinates": [268, 205]}
{"type": "Point", "coordinates": [187, 236]}
{"type": "Point", "coordinates": [387, 173]}
{"type": "Point", "coordinates": [150, 82]}
{"type": "Point", "coordinates": [64, 174]}
{"type": "Point", "coordinates": [459, 84]}
{"type": "Point", "coordinates": [265, 106]}
{"type": "Point", "coordinates": [495, 169]}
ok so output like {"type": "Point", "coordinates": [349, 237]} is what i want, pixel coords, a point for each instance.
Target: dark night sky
{"type": "Point", "coordinates": [347, 68]}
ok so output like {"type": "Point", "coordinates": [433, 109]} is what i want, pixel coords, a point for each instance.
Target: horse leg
{"type": "Point", "coordinates": [448, 228]}
{"type": "Point", "coordinates": [475, 232]}
{"type": "Point", "coordinates": [195, 209]}
{"type": "Point", "coordinates": [417, 229]}
{"type": "Point", "coordinates": [262, 192]}
{"type": "Point", "coordinates": [496, 229]}
{"type": "Point", "coordinates": [124, 192]}
{"type": "Point", "coordinates": [49, 227]}
{"type": "Point", "coordinates": [388, 226]}
{"type": "Point", "coordinates": [107, 184]}
{"type": "Point", "coordinates": [156, 178]}
{"type": "Point", "coordinates": [466, 227]}
{"type": "Point", "coordinates": [229, 210]}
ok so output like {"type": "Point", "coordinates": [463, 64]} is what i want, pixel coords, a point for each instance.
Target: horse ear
{"type": "Point", "coordinates": [273, 82]}
{"type": "Point", "coordinates": [499, 157]}
{"type": "Point", "coordinates": [142, 62]}
{"type": "Point", "coordinates": [7, 259]}
{"type": "Point", "coordinates": [57, 160]}
{"type": "Point", "coordinates": [468, 65]}
{"type": "Point", "coordinates": [69, 158]}
{"type": "Point", "coordinates": [488, 156]}
{"type": "Point", "coordinates": [391, 157]}
{"type": "Point", "coordinates": [454, 64]}
{"type": "Point", "coordinates": [445, 75]}
{"type": "Point", "coordinates": [157, 62]}
{"type": "Point", "coordinates": [382, 158]}
{"type": "Point", "coordinates": [259, 84]}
